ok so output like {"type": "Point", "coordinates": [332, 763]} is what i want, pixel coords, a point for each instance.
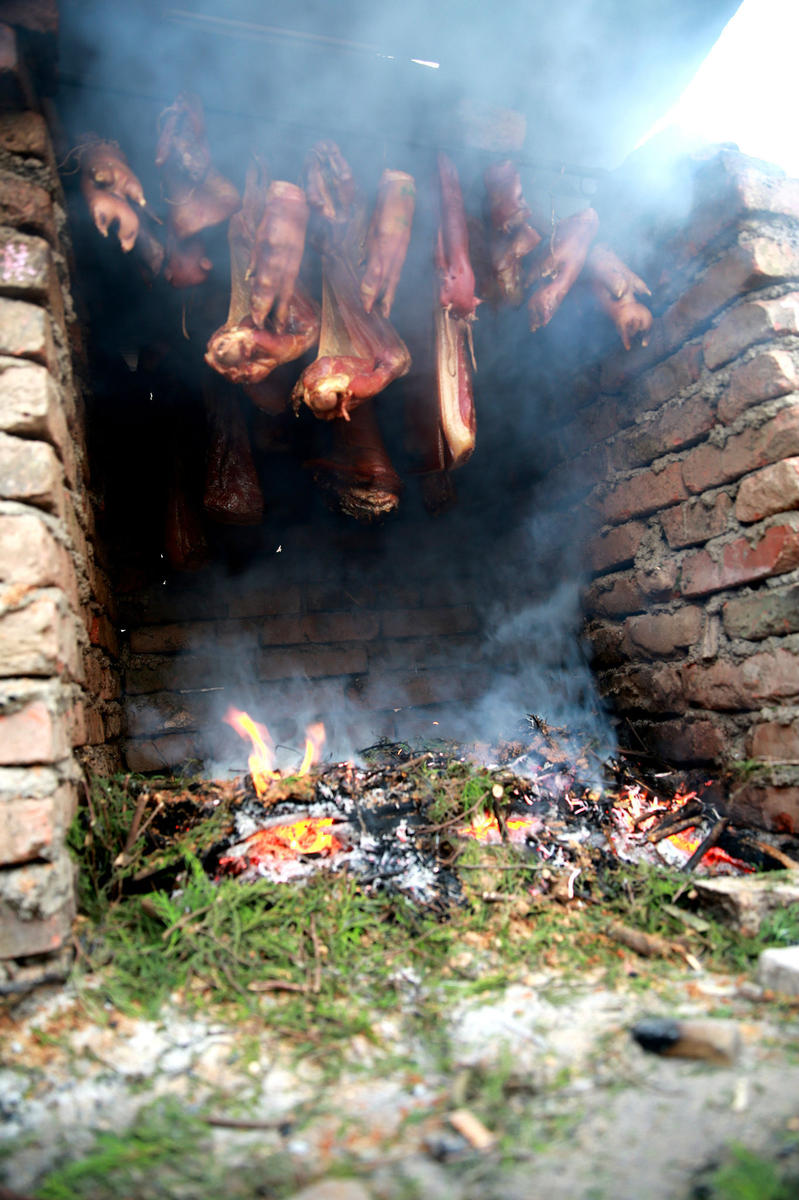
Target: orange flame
{"type": "Point", "coordinates": [314, 741]}
{"type": "Point", "coordinates": [262, 759]}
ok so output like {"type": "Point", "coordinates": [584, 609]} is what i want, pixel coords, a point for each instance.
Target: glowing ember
{"type": "Point", "coordinates": [308, 835]}
{"type": "Point", "coordinates": [637, 813]}
{"type": "Point", "coordinates": [484, 827]}
{"type": "Point", "coordinates": [262, 759]}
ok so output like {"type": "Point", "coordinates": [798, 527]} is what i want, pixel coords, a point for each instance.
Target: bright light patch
{"type": "Point", "coordinates": [745, 90]}
{"type": "Point", "coordinates": [423, 62]}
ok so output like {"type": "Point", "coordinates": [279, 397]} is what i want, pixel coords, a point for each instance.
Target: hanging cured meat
{"type": "Point", "coordinates": [617, 288]}
{"type": "Point", "coordinates": [232, 491]}
{"type": "Point", "coordinates": [270, 319]}
{"type": "Point", "coordinates": [357, 472]}
{"type": "Point", "coordinates": [360, 352]}
{"type": "Point", "coordinates": [511, 236]}
{"type": "Point", "coordinates": [198, 196]}
{"type": "Point", "coordinates": [388, 239]}
{"type": "Point", "coordinates": [112, 192]}
{"type": "Point", "coordinates": [554, 274]}
{"type": "Point", "coordinates": [456, 276]}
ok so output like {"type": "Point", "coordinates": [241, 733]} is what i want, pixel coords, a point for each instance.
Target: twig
{"type": "Point", "coordinates": [186, 919]}
{"type": "Point", "coordinates": [317, 954]}
{"type": "Point", "coordinates": [234, 1123]}
{"type": "Point", "coordinates": [133, 832]}
{"type": "Point", "coordinates": [667, 831]}
{"type": "Point", "coordinates": [706, 844]}
{"type": "Point", "coordinates": [778, 855]}
{"type": "Point", "coordinates": [276, 985]}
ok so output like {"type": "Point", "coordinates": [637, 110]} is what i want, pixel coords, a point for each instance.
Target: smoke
{"type": "Point", "coordinates": [590, 78]}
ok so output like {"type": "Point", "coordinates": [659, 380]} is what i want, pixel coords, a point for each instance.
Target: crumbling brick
{"type": "Point", "coordinates": [665, 633]}
{"type": "Point", "coordinates": [768, 375]}
{"type": "Point", "coordinates": [775, 489]}
{"type": "Point", "coordinates": [697, 520]}
{"type": "Point", "coordinates": [644, 493]}
{"type": "Point", "coordinates": [707, 466]}
{"type": "Point", "coordinates": [741, 561]}
{"type": "Point", "coordinates": [761, 614]}
{"type": "Point", "coordinates": [617, 546]}
{"type": "Point", "coordinates": [748, 324]}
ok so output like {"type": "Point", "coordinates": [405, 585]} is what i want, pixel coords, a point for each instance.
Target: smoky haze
{"type": "Point", "coordinates": [590, 78]}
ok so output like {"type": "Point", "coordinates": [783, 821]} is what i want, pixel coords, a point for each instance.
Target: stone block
{"type": "Point", "coordinates": [745, 901]}
{"type": "Point", "coordinates": [775, 489]}
{"type": "Point", "coordinates": [778, 970]}
{"type": "Point", "coordinates": [770, 374]}
{"type": "Point", "coordinates": [749, 324]}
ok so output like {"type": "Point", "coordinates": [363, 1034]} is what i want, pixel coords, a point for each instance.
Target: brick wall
{"type": "Point", "coordinates": [375, 643]}
{"type": "Point", "coordinates": [689, 449]}
{"type": "Point", "coordinates": [58, 685]}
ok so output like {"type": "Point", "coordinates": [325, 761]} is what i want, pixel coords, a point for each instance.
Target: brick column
{"type": "Point", "coordinates": [692, 446]}
{"type": "Point", "coordinates": [57, 675]}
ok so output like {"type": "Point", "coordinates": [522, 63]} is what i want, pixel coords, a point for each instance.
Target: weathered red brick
{"type": "Point", "coordinates": [30, 407]}
{"type": "Point", "coordinates": [617, 546]}
{"type": "Point", "coordinates": [775, 489]}
{"type": "Point", "coordinates": [595, 424]}
{"type": "Point", "coordinates": [103, 634]}
{"type": "Point", "coordinates": [645, 492]}
{"type": "Point", "coordinates": [30, 472]}
{"type": "Point", "coordinates": [731, 185]}
{"type": "Point", "coordinates": [33, 733]}
{"type": "Point", "coordinates": [398, 689]}
{"type": "Point", "coordinates": [25, 133]}
{"type": "Point", "coordinates": [750, 323]}
{"type": "Point", "coordinates": [665, 381]}
{"type": "Point", "coordinates": [685, 741]}
{"type": "Point", "coordinates": [775, 742]}
{"type": "Point", "coordinates": [101, 678]}
{"type": "Point", "coordinates": [462, 651]}
{"type": "Point", "coordinates": [651, 689]}
{"type": "Point", "coordinates": [429, 622]}
{"type": "Point", "coordinates": [746, 685]}
{"type": "Point", "coordinates": [614, 595]}
{"type": "Point", "coordinates": [769, 807]}
{"type": "Point", "coordinates": [741, 561]}
{"type": "Point", "coordinates": [25, 332]}
{"type": "Point", "coordinates": [768, 375]}
{"type": "Point", "coordinates": [607, 645]}
{"type": "Point", "coordinates": [707, 465]}
{"type": "Point", "coordinates": [744, 267]}
{"type": "Point", "coordinates": [35, 827]}
{"type": "Point", "coordinates": [697, 520]}
{"type": "Point", "coordinates": [769, 612]}
{"type": "Point", "coordinates": [265, 601]}
{"type": "Point", "coordinates": [26, 206]}
{"type": "Point", "coordinates": [31, 557]}
{"type": "Point", "coordinates": [162, 753]}
{"type": "Point", "coordinates": [319, 627]}
{"type": "Point", "coordinates": [664, 633]}
{"type": "Point", "coordinates": [676, 426]}
{"type": "Point", "coordinates": [312, 662]}
{"type": "Point", "coordinates": [159, 639]}
{"type": "Point", "coordinates": [40, 638]}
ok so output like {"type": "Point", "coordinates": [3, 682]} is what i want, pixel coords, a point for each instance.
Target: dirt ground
{"type": "Point", "coordinates": [546, 1064]}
